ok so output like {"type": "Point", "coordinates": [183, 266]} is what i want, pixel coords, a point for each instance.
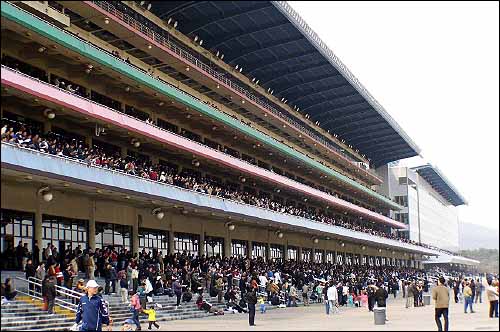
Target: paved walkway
{"type": "Point", "coordinates": [349, 319]}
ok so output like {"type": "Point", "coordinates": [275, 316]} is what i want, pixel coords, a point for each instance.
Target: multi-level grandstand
{"type": "Point", "coordinates": [216, 127]}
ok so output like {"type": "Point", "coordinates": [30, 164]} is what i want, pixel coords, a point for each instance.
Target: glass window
{"type": "Point", "coordinates": [306, 254]}
{"type": "Point", "coordinates": [330, 256]}
{"type": "Point", "coordinates": [189, 243]}
{"type": "Point", "coordinates": [214, 246]}
{"type": "Point", "coordinates": [318, 256]}
{"type": "Point", "coordinates": [239, 248]}
{"type": "Point", "coordinates": [15, 226]}
{"type": "Point", "coordinates": [292, 253]}
{"type": "Point", "coordinates": [339, 259]}
{"type": "Point", "coordinates": [151, 239]}
{"type": "Point", "coordinates": [276, 252]}
{"type": "Point", "coordinates": [259, 250]}
{"type": "Point", "coordinates": [58, 231]}
{"type": "Point", "coordinates": [117, 236]}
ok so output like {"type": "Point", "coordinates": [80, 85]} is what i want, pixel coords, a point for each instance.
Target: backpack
{"type": "Point", "coordinates": [186, 297]}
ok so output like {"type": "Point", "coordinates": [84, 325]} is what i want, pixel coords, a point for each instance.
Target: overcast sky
{"type": "Point", "coordinates": [434, 68]}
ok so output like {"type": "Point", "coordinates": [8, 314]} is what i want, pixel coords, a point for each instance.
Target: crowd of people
{"type": "Point", "coordinates": [235, 284]}
{"type": "Point", "coordinates": [56, 144]}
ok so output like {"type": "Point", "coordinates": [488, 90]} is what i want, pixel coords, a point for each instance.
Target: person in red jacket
{"type": "Point", "coordinates": [59, 274]}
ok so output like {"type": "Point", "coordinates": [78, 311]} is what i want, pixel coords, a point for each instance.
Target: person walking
{"type": "Point", "coordinates": [30, 273]}
{"type": "Point", "coordinates": [441, 296]}
{"type": "Point", "coordinates": [381, 296]}
{"type": "Point", "coordinates": [177, 288]}
{"type": "Point", "coordinates": [479, 291]}
{"type": "Point", "coordinates": [333, 298]}
{"type": "Point", "coordinates": [92, 311]}
{"type": "Point", "coordinates": [492, 295]}
{"type": "Point", "coordinates": [468, 294]}
{"type": "Point", "coordinates": [409, 295]}
{"type": "Point", "coordinates": [151, 312]}
{"type": "Point", "coordinates": [325, 298]}
{"type": "Point", "coordinates": [371, 297]}
{"type": "Point", "coordinates": [124, 289]}
{"type": "Point", "coordinates": [251, 298]}
{"type": "Point", "coordinates": [135, 308]}
{"type": "Point", "coordinates": [49, 293]}
{"type": "Point", "coordinates": [305, 291]}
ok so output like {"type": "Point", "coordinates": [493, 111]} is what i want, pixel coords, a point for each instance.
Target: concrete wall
{"type": "Point", "coordinates": [96, 208]}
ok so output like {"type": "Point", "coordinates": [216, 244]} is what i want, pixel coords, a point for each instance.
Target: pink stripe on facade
{"type": "Point", "coordinates": [90, 109]}
{"type": "Point", "coordinates": [200, 70]}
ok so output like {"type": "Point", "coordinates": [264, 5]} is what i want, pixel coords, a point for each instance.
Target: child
{"type": "Point", "coordinates": [262, 303]}
{"type": "Point", "coordinates": [151, 312]}
{"type": "Point", "coordinates": [350, 301]}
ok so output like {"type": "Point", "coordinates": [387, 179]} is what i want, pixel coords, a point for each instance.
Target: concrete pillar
{"type": "Point", "coordinates": [324, 256]}
{"type": "Point", "coordinates": [37, 227]}
{"type": "Point", "coordinates": [249, 248]}
{"type": "Point", "coordinates": [170, 235]}
{"type": "Point", "coordinates": [285, 250]}
{"type": "Point", "coordinates": [227, 243]}
{"type": "Point", "coordinates": [47, 126]}
{"type": "Point", "coordinates": [123, 152]}
{"type": "Point", "coordinates": [268, 246]}
{"type": "Point", "coordinates": [88, 140]}
{"type": "Point", "coordinates": [299, 254]}
{"type": "Point", "coordinates": [91, 233]}
{"type": "Point", "coordinates": [202, 240]}
{"type": "Point", "coordinates": [135, 230]}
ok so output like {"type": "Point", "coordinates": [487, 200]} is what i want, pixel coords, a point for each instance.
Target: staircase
{"type": "Point", "coordinates": [27, 315]}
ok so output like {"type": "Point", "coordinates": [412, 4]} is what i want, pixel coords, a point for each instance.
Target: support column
{"type": "Point", "coordinates": [285, 250]}
{"type": "Point", "coordinates": [299, 254]}
{"type": "Point", "coordinates": [171, 244]}
{"type": "Point", "coordinates": [37, 227]}
{"type": "Point", "coordinates": [268, 246]}
{"type": "Point", "coordinates": [91, 233]}
{"type": "Point", "coordinates": [47, 126]}
{"type": "Point", "coordinates": [249, 248]}
{"type": "Point", "coordinates": [202, 240]}
{"type": "Point", "coordinates": [88, 141]}
{"type": "Point", "coordinates": [324, 256]}
{"type": "Point", "coordinates": [135, 231]}
{"type": "Point", "coordinates": [227, 243]}
{"type": "Point", "coordinates": [123, 152]}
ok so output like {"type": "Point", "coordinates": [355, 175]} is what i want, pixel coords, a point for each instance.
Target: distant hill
{"type": "Point", "coordinates": [475, 237]}
{"type": "Point", "coordinates": [487, 257]}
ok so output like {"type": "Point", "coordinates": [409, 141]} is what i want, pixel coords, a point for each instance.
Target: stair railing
{"type": "Point", "coordinates": [65, 298]}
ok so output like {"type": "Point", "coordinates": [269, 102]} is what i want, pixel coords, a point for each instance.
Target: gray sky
{"type": "Point", "coordinates": [434, 68]}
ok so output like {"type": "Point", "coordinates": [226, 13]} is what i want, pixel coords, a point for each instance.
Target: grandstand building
{"type": "Point", "coordinates": [241, 96]}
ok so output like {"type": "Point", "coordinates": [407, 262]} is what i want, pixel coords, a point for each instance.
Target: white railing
{"type": "Point", "coordinates": [62, 294]}
{"type": "Point", "coordinates": [116, 172]}
{"type": "Point", "coordinates": [155, 126]}
{"type": "Point", "coordinates": [170, 44]}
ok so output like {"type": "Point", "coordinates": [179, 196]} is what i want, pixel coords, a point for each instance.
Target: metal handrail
{"type": "Point", "coordinates": [61, 291]}
{"type": "Point", "coordinates": [163, 129]}
{"type": "Point", "coordinates": [76, 161]}
{"type": "Point", "coordinates": [193, 60]}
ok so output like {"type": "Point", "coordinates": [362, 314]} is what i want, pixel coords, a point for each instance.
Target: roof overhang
{"type": "Point", "coordinates": [450, 259]}
{"type": "Point", "coordinates": [440, 183]}
{"type": "Point", "coordinates": [272, 43]}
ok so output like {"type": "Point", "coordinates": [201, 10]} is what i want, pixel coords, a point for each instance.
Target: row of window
{"type": "Point", "coordinates": [63, 232]}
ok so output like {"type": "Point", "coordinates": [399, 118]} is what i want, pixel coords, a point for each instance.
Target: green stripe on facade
{"type": "Point", "coordinates": [33, 23]}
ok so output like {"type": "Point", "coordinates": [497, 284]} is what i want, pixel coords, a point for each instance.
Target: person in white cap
{"type": "Point", "coordinates": [92, 310]}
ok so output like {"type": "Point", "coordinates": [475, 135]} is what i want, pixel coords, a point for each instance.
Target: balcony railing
{"type": "Point", "coordinates": [174, 47]}
{"type": "Point", "coordinates": [244, 206]}
{"type": "Point", "coordinates": [91, 45]}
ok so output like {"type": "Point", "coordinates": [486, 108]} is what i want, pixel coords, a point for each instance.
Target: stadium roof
{"type": "Point", "coordinates": [440, 183]}
{"type": "Point", "coordinates": [273, 44]}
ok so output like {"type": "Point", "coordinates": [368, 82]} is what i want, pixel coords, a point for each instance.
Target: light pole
{"type": "Point", "coordinates": [414, 186]}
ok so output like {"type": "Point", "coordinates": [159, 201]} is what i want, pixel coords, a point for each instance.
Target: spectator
{"type": "Point", "coordinates": [441, 296]}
